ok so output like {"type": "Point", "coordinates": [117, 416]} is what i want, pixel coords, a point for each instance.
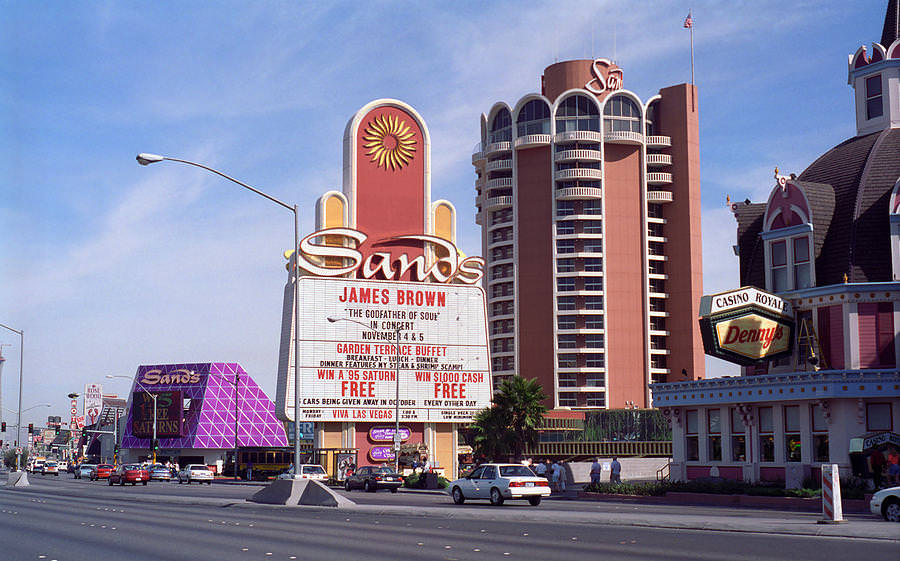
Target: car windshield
{"type": "Point", "coordinates": [51, 464]}
{"type": "Point", "coordinates": [516, 471]}
{"type": "Point", "coordinates": [132, 466]}
{"type": "Point", "coordinates": [313, 469]}
{"type": "Point", "coordinates": [104, 466]}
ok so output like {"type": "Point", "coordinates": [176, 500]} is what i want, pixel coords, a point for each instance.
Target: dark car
{"type": "Point", "coordinates": [129, 473]}
{"type": "Point", "coordinates": [101, 471]}
{"type": "Point", "coordinates": [373, 478]}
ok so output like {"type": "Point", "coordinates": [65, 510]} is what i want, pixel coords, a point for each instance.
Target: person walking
{"type": "Point", "coordinates": [554, 476]}
{"type": "Point", "coordinates": [563, 476]}
{"type": "Point", "coordinates": [540, 469]}
{"type": "Point", "coordinates": [615, 471]}
{"type": "Point", "coordinates": [596, 470]}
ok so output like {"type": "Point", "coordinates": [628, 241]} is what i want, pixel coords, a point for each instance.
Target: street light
{"type": "Point", "coordinates": [154, 397]}
{"type": "Point", "coordinates": [147, 159]}
{"type": "Point", "coordinates": [21, 362]}
{"type": "Point", "coordinates": [397, 438]}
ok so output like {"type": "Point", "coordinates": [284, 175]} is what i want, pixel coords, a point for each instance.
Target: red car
{"type": "Point", "coordinates": [102, 471]}
{"type": "Point", "coordinates": [129, 473]}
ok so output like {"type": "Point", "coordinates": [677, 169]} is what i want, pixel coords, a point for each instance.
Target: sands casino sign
{"type": "Point", "coordinates": [746, 326]}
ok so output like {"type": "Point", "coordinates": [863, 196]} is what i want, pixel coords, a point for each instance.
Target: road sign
{"type": "Point", "coordinates": [18, 451]}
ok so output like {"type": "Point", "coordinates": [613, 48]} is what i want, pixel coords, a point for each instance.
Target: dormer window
{"type": "Point", "coordinates": [801, 263]}
{"type": "Point", "coordinates": [874, 106]}
{"type": "Point", "coordinates": [790, 267]}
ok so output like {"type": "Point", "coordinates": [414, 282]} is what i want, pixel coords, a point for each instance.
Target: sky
{"type": "Point", "coordinates": [106, 265]}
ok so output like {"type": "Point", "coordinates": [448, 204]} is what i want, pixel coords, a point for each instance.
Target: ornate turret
{"type": "Point", "coordinates": [876, 78]}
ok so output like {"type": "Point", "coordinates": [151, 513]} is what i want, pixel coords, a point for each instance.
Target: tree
{"type": "Point", "coordinates": [512, 421]}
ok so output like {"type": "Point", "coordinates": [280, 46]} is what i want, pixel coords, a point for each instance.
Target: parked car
{"type": "Point", "coordinates": [101, 471]}
{"type": "Point", "coordinates": [307, 471]}
{"type": "Point", "coordinates": [373, 478]}
{"type": "Point", "coordinates": [84, 470]}
{"type": "Point", "coordinates": [50, 467]}
{"type": "Point", "coordinates": [499, 482]}
{"type": "Point", "coordinates": [195, 472]}
{"type": "Point", "coordinates": [159, 472]}
{"type": "Point", "coordinates": [129, 473]}
{"type": "Point", "coordinates": [36, 465]}
{"type": "Point", "coordinates": [887, 503]}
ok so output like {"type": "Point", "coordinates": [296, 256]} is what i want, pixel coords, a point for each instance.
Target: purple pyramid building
{"type": "Point", "coordinates": [208, 397]}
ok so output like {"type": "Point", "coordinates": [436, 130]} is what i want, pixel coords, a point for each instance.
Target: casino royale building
{"type": "Point", "coordinates": [589, 202]}
{"type": "Point", "coordinates": [827, 243]}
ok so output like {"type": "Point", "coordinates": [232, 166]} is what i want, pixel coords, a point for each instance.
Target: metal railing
{"type": "Point", "coordinates": [621, 448]}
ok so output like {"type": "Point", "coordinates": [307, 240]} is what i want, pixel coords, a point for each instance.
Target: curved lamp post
{"type": "Point", "coordinates": [21, 362]}
{"type": "Point", "coordinates": [397, 438]}
{"type": "Point", "coordinates": [147, 159]}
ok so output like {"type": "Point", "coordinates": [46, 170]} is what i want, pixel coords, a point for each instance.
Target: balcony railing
{"type": "Point", "coordinates": [499, 182]}
{"type": "Point", "coordinates": [584, 155]}
{"type": "Point", "coordinates": [477, 157]}
{"type": "Point", "coordinates": [577, 173]}
{"type": "Point", "coordinates": [659, 197]}
{"type": "Point", "coordinates": [505, 163]}
{"type": "Point", "coordinates": [577, 136]}
{"type": "Point", "coordinates": [592, 449]}
{"type": "Point", "coordinates": [496, 202]}
{"type": "Point", "coordinates": [659, 178]}
{"type": "Point", "coordinates": [659, 141]}
{"type": "Point", "coordinates": [659, 160]}
{"type": "Point", "coordinates": [569, 193]}
{"type": "Point", "coordinates": [531, 140]}
{"type": "Point", "coordinates": [623, 137]}
{"type": "Point", "coordinates": [497, 147]}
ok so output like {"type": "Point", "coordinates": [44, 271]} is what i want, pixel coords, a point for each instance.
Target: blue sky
{"type": "Point", "coordinates": [106, 265]}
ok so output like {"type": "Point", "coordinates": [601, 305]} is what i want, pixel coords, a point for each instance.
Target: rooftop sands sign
{"type": "Point", "coordinates": [746, 326]}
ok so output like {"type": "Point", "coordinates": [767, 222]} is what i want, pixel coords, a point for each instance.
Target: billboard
{"type": "Point", "coordinates": [746, 326]}
{"type": "Point", "coordinates": [169, 412]}
{"type": "Point", "coordinates": [349, 367]}
{"type": "Point", "coordinates": [93, 402]}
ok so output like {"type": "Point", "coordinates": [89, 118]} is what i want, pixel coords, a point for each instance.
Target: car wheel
{"type": "Point", "coordinates": [393, 489]}
{"type": "Point", "coordinates": [891, 510]}
{"type": "Point", "coordinates": [534, 501]}
{"type": "Point", "coordinates": [368, 487]}
{"type": "Point", "coordinates": [110, 482]}
{"type": "Point", "coordinates": [347, 485]}
{"type": "Point", "coordinates": [209, 482]}
{"type": "Point", "coordinates": [496, 497]}
{"type": "Point", "coordinates": [179, 481]}
{"type": "Point", "coordinates": [458, 496]}
{"type": "Point", "coordinates": [145, 482]}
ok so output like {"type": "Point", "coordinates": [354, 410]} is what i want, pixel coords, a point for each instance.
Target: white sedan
{"type": "Point", "coordinates": [195, 472]}
{"type": "Point", "coordinates": [887, 503]}
{"type": "Point", "coordinates": [498, 482]}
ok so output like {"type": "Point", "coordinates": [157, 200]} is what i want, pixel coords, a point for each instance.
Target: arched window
{"type": "Point", "coordinates": [577, 113]}
{"type": "Point", "coordinates": [501, 127]}
{"type": "Point", "coordinates": [534, 118]}
{"type": "Point", "coordinates": [621, 114]}
{"type": "Point", "coordinates": [651, 126]}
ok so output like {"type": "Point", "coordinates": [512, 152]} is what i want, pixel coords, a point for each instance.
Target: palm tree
{"type": "Point", "coordinates": [512, 422]}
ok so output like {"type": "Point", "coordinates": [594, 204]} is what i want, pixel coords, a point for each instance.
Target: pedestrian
{"type": "Point", "coordinates": [554, 477]}
{"type": "Point", "coordinates": [540, 469]}
{"type": "Point", "coordinates": [893, 466]}
{"type": "Point", "coordinates": [876, 461]}
{"type": "Point", "coordinates": [426, 465]}
{"type": "Point", "coordinates": [596, 469]}
{"type": "Point", "coordinates": [548, 469]}
{"type": "Point", "coordinates": [615, 471]}
{"type": "Point", "coordinates": [563, 476]}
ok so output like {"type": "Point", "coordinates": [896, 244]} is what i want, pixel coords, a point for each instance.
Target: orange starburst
{"type": "Point", "coordinates": [390, 142]}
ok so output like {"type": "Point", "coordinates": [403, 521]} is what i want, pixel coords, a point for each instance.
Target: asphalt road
{"type": "Point", "coordinates": [66, 519]}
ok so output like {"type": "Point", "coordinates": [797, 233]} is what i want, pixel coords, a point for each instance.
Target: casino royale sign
{"type": "Point", "coordinates": [746, 326]}
{"type": "Point", "coordinates": [349, 367]}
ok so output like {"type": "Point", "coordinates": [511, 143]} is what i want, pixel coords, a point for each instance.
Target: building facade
{"type": "Point", "coordinates": [589, 202]}
{"type": "Point", "coordinates": [827, 241]}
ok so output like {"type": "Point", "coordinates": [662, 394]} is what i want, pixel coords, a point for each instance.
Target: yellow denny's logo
{"type": "Point", "coordinates": [153, 377]}
{"type": "Point", "coordinates": [390, 142]}
{"type": "Point", "coordinates": [753, 336]}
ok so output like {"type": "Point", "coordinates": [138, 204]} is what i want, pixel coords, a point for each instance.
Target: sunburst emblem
{"type": "Point", "coordinates": [390, 142]}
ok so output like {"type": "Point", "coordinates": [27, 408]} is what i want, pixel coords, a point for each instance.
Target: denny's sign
{"type": "Point", "coordinates": [746, 326]}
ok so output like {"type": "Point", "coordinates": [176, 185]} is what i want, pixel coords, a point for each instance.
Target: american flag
{"type": "Point", "coordinates": [688, 21]}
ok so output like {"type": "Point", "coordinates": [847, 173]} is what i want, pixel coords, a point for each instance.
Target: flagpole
{"type": "Point", "coordinates": [692, 54]}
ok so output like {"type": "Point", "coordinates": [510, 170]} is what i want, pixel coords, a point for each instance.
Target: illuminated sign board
{"type": "Point", "coordinates": [93, 402]}
{"type": "Point", "coordinates": [386, 434]}
{"type": "Point", "coordinates": [746, 326]}
{"type": "Point", "coordinates": [169, 411]}
{"type": "Point", "coordinates": [348, 367]}
{"type": "Point", "coordinates": [156, 376]}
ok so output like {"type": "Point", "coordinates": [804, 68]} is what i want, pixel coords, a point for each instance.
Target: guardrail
{"type": "Point", "coordinates": [621, 448]}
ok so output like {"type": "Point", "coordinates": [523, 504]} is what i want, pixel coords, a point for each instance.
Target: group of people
{"type": "Point", "coordinates": [885, 467]}
{"type": "Point", "coordinates": [615, 471]}
{"type": "Point", "coordinates": [554, 472]}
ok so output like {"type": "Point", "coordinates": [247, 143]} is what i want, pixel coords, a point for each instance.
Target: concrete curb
{"type": "Point", "coordinates": [798, 504]}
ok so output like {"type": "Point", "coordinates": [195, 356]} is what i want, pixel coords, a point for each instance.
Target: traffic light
{"type": "Point", "coordinates": [3, 426]}
{"type": "Point", "coordinates": [57, 431]}
{"type": "Point", "coordinates": [156, 445]}
{"type": "Point", "coordinates": [30, 428]}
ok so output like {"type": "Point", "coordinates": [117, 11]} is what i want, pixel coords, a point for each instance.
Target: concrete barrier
{"type": "Point", "coordinates": [299, 492]}
{"type": "Point", "coordinates": [18, 479]}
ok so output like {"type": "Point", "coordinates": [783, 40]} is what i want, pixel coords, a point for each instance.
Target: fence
{"type": "Point", "coordinates": [590, 449]}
